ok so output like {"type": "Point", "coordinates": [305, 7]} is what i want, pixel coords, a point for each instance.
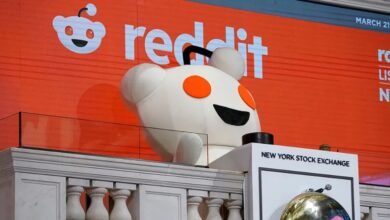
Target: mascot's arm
{"type": "Point", "coordinates": [189, 149]}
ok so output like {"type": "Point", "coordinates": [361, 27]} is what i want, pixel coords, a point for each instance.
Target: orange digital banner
{"type": "Point", "coordinates": [313, 83]}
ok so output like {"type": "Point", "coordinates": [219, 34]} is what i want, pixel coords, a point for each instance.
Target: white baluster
{"type": "Point", "coordinates": [74, 210]}
{"type": "Point", "coordinates": [214, 206]}
{"type": "Point", "coordinates": [193, 208]}
{"type": "Point", "coordinates": [97, 210]}
{"type": "Point", "coordinates": [364, 213]}
{"type": "Point", "coordinates": [364, 216]}
{"type": "Point", "coordinates": [234, 207]}
{"type": "Point", "coordinates": [120, 210]}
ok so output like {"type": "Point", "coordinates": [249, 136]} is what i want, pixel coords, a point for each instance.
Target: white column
{"type": "Point", "coordinates": [36, 197]}
{"type": "Point", "coordinates": [234, 207]}
{"type": "Point", "coordinates": [97, 210]}
{"type": "Point", "coordinates": [193, 203]}
{"type": "Point", "coordinates": [158, 203]}
{"type": "Point", "coordinates": [120, 210]}
{"type": "Point", "coordinates": [74, 210]}
{"type": "Point", "coordinates": [214, 205]}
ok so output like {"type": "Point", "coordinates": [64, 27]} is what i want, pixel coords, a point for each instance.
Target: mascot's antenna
{"type": "Point", "coordinates": [81, 10]}
{"type": "Point", "coordinates": [196, 49]}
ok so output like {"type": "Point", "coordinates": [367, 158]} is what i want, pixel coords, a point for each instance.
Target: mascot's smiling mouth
{"type": "Point", "coordinates": [231, 116]}
{"type": "Point", "coordinates": [79, 43]}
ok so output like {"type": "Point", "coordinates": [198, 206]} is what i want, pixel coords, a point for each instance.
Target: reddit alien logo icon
{"type": "Point", "coordinates": [80, 34]}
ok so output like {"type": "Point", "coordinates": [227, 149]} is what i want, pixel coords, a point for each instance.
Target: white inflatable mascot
{"type": "Point", "coordinates": [179, 104]}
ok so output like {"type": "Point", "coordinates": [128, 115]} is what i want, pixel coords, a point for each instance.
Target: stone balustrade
{"type": "Point", "coordinates": [120, 193]}
{"type": "Point", "coordinates": [37, 184]}
{"type": "Point", "coordinates": [57, 185]}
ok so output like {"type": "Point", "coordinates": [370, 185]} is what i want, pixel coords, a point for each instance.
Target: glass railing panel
{"type": "Point", "coordinates": [100, 138]}
{"type": "Point", "coordinates": [77, 135]}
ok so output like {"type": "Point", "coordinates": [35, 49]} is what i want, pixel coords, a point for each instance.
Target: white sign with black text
{"type": "Point", "coordinates": [276, 174]}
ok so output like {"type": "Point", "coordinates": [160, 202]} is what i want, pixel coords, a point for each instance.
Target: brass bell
{"type": "Point", "coordinates": [314, 206]}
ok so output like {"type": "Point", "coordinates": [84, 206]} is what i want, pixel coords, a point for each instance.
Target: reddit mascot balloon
{"type": "Point", "coordinates": [178, 105]}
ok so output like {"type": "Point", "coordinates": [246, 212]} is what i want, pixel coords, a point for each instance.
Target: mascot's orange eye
{"type": "Point", "coordinates": [197, 87]}
{"type": "Point", "coordinates": [90, 33]}
{"type": "Point", "coordinates": [246, 96]}
{"type": "Point", "coordinates": [68, 30]}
